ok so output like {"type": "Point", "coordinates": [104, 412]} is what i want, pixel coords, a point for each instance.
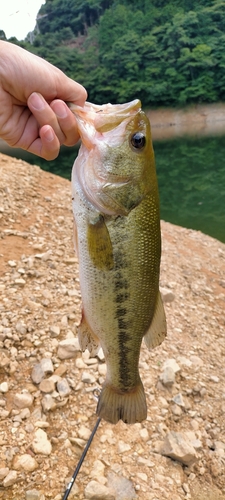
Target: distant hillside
{"type": "Point", "coordinates": [168, 53]}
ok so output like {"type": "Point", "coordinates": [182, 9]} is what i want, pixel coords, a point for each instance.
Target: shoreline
{"type": "Point", "coordinates": [168, 123]}
{"type": "Point", "coordinates": [201, 120]}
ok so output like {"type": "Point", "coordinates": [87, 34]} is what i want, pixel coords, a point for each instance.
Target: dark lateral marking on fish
{"type": "Point", "coordinates": [121, 287]}
{"type": "Point", "coordinates": [122, 297]}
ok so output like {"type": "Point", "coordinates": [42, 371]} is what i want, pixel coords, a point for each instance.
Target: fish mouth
{"type": "Point", "coordinates": [105, 117]}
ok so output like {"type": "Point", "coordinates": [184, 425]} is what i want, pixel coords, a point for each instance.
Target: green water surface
{"type": "Point", "coordinates": [191, 176]}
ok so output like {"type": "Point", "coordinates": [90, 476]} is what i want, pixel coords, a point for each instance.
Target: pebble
{"type": "Point", "coordinates": [37, 373]}
{"type": "Point", "coordinates": [63, 387]}
{"type": "Point", "coordinates": [102, 369]}
{"type": "Point", "coordinates": [88, 378]}
{"type": "Point", "coordinates": [68, 348]}
{"type": "Point", "coordinates": [171, 362]}
{"type": "Point", "coordinates": [123, 487]}
{"type": "Point", "coordinates": [47, 385]}
{"type": "Point", "coordinates": [48, 403]}
{"type": "Point", "coordinates": [10, 479]}
{"type": "Point", "coordinates": [100, 355]}
{"type": "Point", "coordinates": [4, 387]}
{"type": "Point", "coordinates": [122, 447]}
{"type": "Point", "coordinates": [98, 470]}
{"type": "Point", "coordinates": [177, 446]}
{"type": "Point", "coordinates": [144, 434]}
{"type": "Point", "coordinates": [3, 472]}
{"type": "Point", "coordinates": [96, 491]}
{"type": "Point", "coordinates": [167, 377]}
{"type": "Point", "coordinates": [47, 366]}
{"type": "Point", "coordinates": [40, 443]}
{"type": "Point", "coordinates": [23, 400]}
{"type": "Point", "coordinates": [25, 462]}
{"type": "Point", "coordinates": [54, 331]}
{"type": "Point", "coordinates": [33, 495]}
{"type": "Point", "coordinates": [167, 295]}
{"type": "Point", "coordinates": [84, 432]}
{"type": "Point", "coordinates": [178, 399]}
{"type": "Point", "coordinates": [176, 410]}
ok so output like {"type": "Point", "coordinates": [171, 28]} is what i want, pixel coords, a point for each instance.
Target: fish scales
{"type": "Point", "coordinates": [116, 212]}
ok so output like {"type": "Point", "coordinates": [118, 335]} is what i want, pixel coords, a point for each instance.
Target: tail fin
{"type": "Point", "coordinates": [129, 406]}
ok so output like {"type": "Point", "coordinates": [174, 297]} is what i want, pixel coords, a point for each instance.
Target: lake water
{"type": "Point", "coordinates": [191, 176]}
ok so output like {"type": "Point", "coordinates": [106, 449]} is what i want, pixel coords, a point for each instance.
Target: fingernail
{"type": "Point", "coordinates": [60, 110]}
{"type": "Point", "coordinates": [49, 135]}
{"type": "Point", "coordinates": [37, 101]}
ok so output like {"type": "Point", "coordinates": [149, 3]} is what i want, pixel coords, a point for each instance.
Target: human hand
{"type": "Point", "coordinates": [33, 114]}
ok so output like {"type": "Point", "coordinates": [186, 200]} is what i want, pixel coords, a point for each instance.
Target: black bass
{"type": "Point", "coordinates": [118, 243]}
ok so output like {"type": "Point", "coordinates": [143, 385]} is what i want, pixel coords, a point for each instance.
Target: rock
{"type": "Point", "coordinates": [47, 385]}
{"type": "Point", "coordinates": [63, 387]}
{"type": "Point", "coordinates": [121, 486]}
{"type": "Point", "coordinates": [10, 479]}
{"type": "Point", "coordinates": [177, 446]}
{"type": "Point", "coordinates": [84, 432]}
{"type": "Point", "coordinates": [48, 403]}
{"type": "Point", "coordinates": [37, 373]}
{"type": "Point", "coordinates": [68, 348]}
{"type": "Point", "coordinates": [100, 355]}
{"type": "Point", "coordinates": [102, 369]}
{"type": "Point", "coordinates": [167, 295]}
{"type": "Point", "coordinates": [96, 491]}
{"type": "Point", "coordinates": [178, 399]}
{"type": "Point", "coordinates": [23, 400]}
{"type": "Point", "coordinates": [144, 434]}
{"type": "Point", "coordinates": [25, 462]}
{"type": "Point", "coordinates": [3, 472]}
{"type": "Point", "coordinates": [33, 495]}
{"type": "Point", "coordinates": [4, 387]}
{"type": "Point", "coordinates": [54, 331]}
{"type": "Point", "coordinates": [173, 364]}
{"type": "Point", "coordinates": [167, 377]}
{"type": "Point", "coordinates": [176, 410]}
{"type": "Point", "coordinates": [40, 443]}
{"type": "Point", "coordinates": [88, 378]}
{"type": "Point", "coordinates": [98, 469]}
{"type": "Point", "coordinates": [4, 360]}
{"type": "Point", "coordinates": [47, 366]}
{"type": "Point", "coordinates": [122, 447]}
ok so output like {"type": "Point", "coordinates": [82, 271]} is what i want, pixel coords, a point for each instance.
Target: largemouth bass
{"type": "Point", "coordinates": [118, 243]}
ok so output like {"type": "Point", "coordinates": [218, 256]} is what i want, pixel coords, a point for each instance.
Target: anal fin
{"type": "Point", "coordinates": [87, 339]}
{"type": "Point", "coordinates": [157, 330]}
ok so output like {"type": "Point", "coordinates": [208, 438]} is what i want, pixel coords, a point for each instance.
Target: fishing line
{"type": "Point", "coordinates": [72, 481]}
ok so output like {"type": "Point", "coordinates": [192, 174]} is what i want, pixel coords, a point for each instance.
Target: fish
{"type": "Point", "coordinates": [118, 244]}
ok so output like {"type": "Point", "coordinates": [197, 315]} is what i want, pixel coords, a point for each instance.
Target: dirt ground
{"type": "Point", "coordinates": [40, 308]}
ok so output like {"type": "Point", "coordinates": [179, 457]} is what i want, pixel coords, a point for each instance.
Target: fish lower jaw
{"type": "Point", "coordinates": [128, 405]}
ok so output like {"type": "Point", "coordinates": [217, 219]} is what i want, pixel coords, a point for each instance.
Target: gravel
{"type": "Point", "coordinates": [47, 386]}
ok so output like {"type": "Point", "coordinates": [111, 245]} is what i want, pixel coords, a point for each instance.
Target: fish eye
{"type": "Point", "coordinates": [138, 140]}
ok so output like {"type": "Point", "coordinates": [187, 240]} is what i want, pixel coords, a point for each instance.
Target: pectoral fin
{"type": "Point", "coordinates": [99, 244]}
{"type": "Point", "coordinates": [157, 330]}
{"type": "Point", "coordinates": [87, 339]}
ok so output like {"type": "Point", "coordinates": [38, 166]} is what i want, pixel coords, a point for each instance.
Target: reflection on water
{"type": "Point", "coordinates": [191, 175]}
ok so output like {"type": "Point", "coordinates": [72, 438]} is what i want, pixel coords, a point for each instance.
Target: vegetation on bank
{"type": "Point", "coordinates": [166, 52]}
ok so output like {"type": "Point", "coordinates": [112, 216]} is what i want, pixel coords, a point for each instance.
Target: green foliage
{"type": "Point", "coordinates": [166, 52]}
{"type": "Point", "coordinates": [2, 35]}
